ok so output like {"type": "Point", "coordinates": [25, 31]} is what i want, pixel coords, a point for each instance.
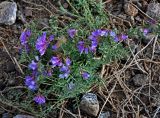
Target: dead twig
{"type": "Point", "coordinates": [51, 14]}
{"type": "Point", "coordinates": [140, 10]}
{"type": "Point", "coordinates": [18, 65]}
{"type": "Point", "coordinates": [157, 111]}
{"type": "Point", "coordinates": [107, 99]}
{"type": "Point", "coordinates": [14, 60]}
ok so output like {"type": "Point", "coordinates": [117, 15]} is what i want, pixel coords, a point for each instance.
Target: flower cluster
{"type": "Point", "coordinates": [83, 48]}
{"type": "Point", "coordinates": [58, 63]}
{"type": "Point", "coordinates": [24, 39]}
{"type": "Point", "coordinates": [65, 69]}
{"type": "Point", "coordinates": [30, 83]}
{"type": "Point", "coordinates": [39, 99]}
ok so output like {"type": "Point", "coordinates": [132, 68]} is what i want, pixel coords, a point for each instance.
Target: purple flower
{"type": "Point", "coordinates": [72, 32]}
{"type": "Point", "coordinates": [92, 49]}
{"type": "Point", "coordinates": [42, 44]}
{"type": "Point", "coordinates": [39, 99]}
{"type": "Point", "coordinates": [106, 33]}
{"type": "Point", "coordinates": [81, 46]}
{"type": "Point", "coordinates": [64, 75]}
{"type": "Point", "coordinates": [103, 33]}
{"type": "Point", "coordinates": [145, 31]}
{"type": "Point", "coordinates": [68, 62]}
{"type": "Point", "coordinates": [85, 75]}
{"type": "Point", "coordinates": [92, 38]}
{"type": "Point", "coordinates": [51, 37]}
{"type": "Point", "coordinates": [94, 43]}
{"type": "Point", "coordinates": [124, 37]}
{"type": "Point", "coordinates": [116, 39]}
{"type": "Point", "coordinates": [54, 47]}
{"type": "Point", "coordinates": [49, 72]}
{"type": "Point", "coordinates": [64, 68]}
{"type": "Point", "coordinates": [93, 46]}
{"type": "Point", "coordinates": [24, 36]}
{"type": "Point", "coordinates": [28, 33]}
{"type": "Point", "coordinates": [33, 65]}
{"type": "Point", "coordinates": [56, 61]}
{"type": "Point", "coordinates": [30, 83]}
{"type": "Point", "coordinates": [97, 33]}
{"type": "Point", "coordinates": [112, 33]}
{"type": "Point", "coordinates": [86, 50]}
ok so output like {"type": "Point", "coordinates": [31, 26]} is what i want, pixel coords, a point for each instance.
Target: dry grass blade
{"type": "Point", "coordinates": [107, 98]}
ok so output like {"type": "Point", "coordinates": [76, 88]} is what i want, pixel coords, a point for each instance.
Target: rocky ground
{"type": "Point", "coordinates": [132, 89]}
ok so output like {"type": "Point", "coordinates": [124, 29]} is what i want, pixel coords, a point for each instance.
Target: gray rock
{"type": "Point", "coordinates": [153, 10]}
{"type": "Point", "coordinates": [8, 12]}
{"type": "Point", "coordinates": [90, 104]}
{"type": "Point", "coordinates": [130, 9]}
{"type": "Point", "coordinates": [23, 116]}
{"type": "Point", "coordinates": [140, 79]}
{"type": "Point", "coordinates": [104, 115]}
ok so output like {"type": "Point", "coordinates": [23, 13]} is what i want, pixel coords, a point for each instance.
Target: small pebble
{"type": "Point", "coordinates": [153, 10]}
{"type": "Point", "coordinates": [104, 115]}
{"type": "Point", "coordinates": [130, 9]}
{"type": "Point", "coordinates": [89, 104]}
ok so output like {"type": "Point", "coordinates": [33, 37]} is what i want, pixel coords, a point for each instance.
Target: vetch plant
{"type": "Point", "coordinates": [62, 66]}
{"type": "Point", "coordinates": [64, 62]}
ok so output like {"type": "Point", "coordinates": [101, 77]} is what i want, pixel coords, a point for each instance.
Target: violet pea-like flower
{"type": "Point", "coordinates": [56, 61]}
{"type": "Point", "coordinates": [30, 83]}
{"type": "Point", "coordinates": [124, 37]}
{"type": "Point", "coordinates": [116, 39]}
{"type": "Point", "coordinates": [81, 46]}
{"type": "Point", "coordinates": [145, 31]}
{"type": "Point", "coordinates": [72, 32]}
{"type": "Point", "coordinates": [112, 34]}
{"type": "Point", "coordinates": [39, 99]}
{"type": "Point", "coordinates": [51, 37]}
{"type": "Point", "coordinates": [42, 44]}
{"type": "Point", "coordinates": [85, 75]}
{"type": "Point", "coordinates": [54, 47]}
{"type": "Point", "coordinates": [97, 33]}
{"type": "Point", "coordinates": [64, 68]}
{"type": "Point", "coordinates": [24, 37]}
{"type": "Point", "coordinates": [92, 38]}
{"type": "Point", "coordinates": [33, 65]}
{"type": "Point", "coordinates": [68, 62]}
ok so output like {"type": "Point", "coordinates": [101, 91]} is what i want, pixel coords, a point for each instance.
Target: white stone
{"type": "Point", "coordinates": [8, 12]}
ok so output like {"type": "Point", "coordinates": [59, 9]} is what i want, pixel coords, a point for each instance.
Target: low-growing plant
{"type": "Point", "coordinates": [63, 61]}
